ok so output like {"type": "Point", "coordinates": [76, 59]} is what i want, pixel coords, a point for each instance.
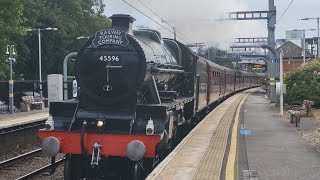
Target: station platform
{"type": "Point", "coordinates": [271, 149]}
{"type": "Point", "coordinates": [243, 138]}
{"type": "Point", "coordinates": [22, 118]}
{"type": "Point", "coordinates": [201, 153]}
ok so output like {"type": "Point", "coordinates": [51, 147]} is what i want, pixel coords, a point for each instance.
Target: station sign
{"type": "Point", "coordinates": [272, 81]}
{"type": "Point", "coordinates": [74, 88]}
{"type": "Point", "coordinates": [278, 88]}
{"type": "Point", "coordinates": [257, 65]}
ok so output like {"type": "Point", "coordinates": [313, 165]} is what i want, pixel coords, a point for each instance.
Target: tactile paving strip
{"type": "Point", "coordinates": [200, 154]}
{"type": "Point", "coordinates": [211, 164]}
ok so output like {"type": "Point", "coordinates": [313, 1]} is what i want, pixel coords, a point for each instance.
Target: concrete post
{"type": "Point", "coordinates": [11, 103]}
{"type": "Point", "coordinates": [318, 24]}
{"type": "Point", "coordinates": [11, 53]}
{"type": "Point", "coordinates": [304, 46]}
{"type": "Point", "coordinates": [281, 83]}
{"type": "Point", "coordinates": [40, 74]}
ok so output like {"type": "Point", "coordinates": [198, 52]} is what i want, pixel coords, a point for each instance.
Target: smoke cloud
{"type": "Point", "coordinates": [194, 21]}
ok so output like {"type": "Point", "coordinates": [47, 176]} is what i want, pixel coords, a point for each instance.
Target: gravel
{"type": "Point", "coordinates": [22, 149]}
{"type": "Point", "coordinates": [311, 137]}
{"type": "Point", "coordinates": [57, 175]}
{"type": "Point", "coordinates": [22, 168]}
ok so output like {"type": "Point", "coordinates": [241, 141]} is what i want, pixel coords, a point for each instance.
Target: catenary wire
{"type": "Point", "coordinates": [154, 20]}
{"type": "Point", "coordinates": [285, 11]}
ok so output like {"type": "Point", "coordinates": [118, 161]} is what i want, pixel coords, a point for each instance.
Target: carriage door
{"type": "Point", "coordinates": [220, 82]}
{"type": "Point", "coordinates": [235, 81]}
{"type": "Point", "coordinates": [209, 83]}
{"type": "Point", "coordinates": [225, 82]}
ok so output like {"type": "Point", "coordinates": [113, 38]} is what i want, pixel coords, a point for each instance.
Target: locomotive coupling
{"type": "Point", "coordinates": [96, 154]}
{"type": "Point", "coordinates": [50, 146]}
{"type": "Point", "coordinates": [136, 150]}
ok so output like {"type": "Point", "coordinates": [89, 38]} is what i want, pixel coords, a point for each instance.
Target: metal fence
{"type": "Point", "coordinates": [23, 86]}
{"type": "Point", "coordinates": [19, 87]}
{"type": "Point", "coordinates": [3, 107]}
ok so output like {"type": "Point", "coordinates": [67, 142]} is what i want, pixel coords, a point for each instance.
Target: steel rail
{"type": "Point", "coordinates": [40, 170]}
{"type": "Point", "coordinates": [13, 160]}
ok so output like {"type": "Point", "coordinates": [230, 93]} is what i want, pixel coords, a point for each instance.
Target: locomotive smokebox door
{"type": "Point", "coordinates": [112, 66]}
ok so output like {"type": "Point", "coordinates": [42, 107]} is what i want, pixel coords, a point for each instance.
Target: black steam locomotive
{"type": "Point", "coordinates": [139, 95]}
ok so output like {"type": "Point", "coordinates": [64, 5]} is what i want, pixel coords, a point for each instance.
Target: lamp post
{"type": "Point", "coordinates": [11, 53]}
{"type": "Point", "coordinates": [281, 82]}
{"type": "Point", "coordinates": [39, 41]}
{"type": "Point", "coordinates": [318, 27]}
{"type": "Point", "coordinates": [304, 42]}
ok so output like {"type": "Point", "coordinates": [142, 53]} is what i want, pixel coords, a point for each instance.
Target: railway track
{"type": "Point", "coordinates": [40, 170]}
{"type": "Point", "coordinates": [16, 138]}
{"type": "Point", "coordinates": [26, 166]}
{"type": "Point", "coordinates": [16, 159]}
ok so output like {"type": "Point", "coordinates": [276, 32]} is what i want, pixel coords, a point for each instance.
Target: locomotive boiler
{"type": "Point", "coordinates": [123, 74]}
{"type": "Point", "coordinates": [140, 94]}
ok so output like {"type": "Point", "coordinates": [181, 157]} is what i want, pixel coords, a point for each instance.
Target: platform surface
{"type": "Point", "coordinates": [201, 153]}
{"type": "Point", "coordinates": [21, 118]}
{"type": "Point", "coordinates": [273, 148]}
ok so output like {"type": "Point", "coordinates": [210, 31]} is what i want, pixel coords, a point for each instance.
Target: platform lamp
{"type": "Point", "coordinates": [304, 42]}
{"type": "Point", "coordinates": [39, 41]}
{"type": "Point", "coordinates": [11, 54]}
{"type": "Point", "coordinates": [318, 28]}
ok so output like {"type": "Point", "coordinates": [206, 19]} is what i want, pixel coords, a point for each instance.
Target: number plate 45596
{"type": "Point", "coordinates": [109, 58]}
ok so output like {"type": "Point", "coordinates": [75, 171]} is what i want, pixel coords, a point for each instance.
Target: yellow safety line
{"type": "Point", "coordinates": [232, 167]}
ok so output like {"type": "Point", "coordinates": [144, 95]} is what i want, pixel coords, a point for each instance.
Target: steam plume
{"type": "Point", "coordinates": [194, 20]}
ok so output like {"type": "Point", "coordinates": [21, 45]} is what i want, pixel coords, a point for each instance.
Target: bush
{"type": "Point", "coordinates": [303, 84]}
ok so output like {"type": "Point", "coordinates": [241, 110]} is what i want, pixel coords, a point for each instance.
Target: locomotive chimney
{"type": "Point", "coordinates": [122, 22]}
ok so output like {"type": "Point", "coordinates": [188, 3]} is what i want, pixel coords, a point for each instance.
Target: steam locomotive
{"type": "Point", "coordinates": [139, 95]}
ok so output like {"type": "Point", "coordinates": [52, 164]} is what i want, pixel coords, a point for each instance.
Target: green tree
{"type": "Point", "coordinates": [73, 18]}
{"type": "Point", "coordinates": [11, 18]}
{"type": "Point", "coordinates": [303, 84]}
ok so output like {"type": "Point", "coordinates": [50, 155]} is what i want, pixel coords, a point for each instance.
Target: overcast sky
{"type": "Point", "coordinates": [298, 10]}
{"type": "Point", "coordinates": [180, 12]}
